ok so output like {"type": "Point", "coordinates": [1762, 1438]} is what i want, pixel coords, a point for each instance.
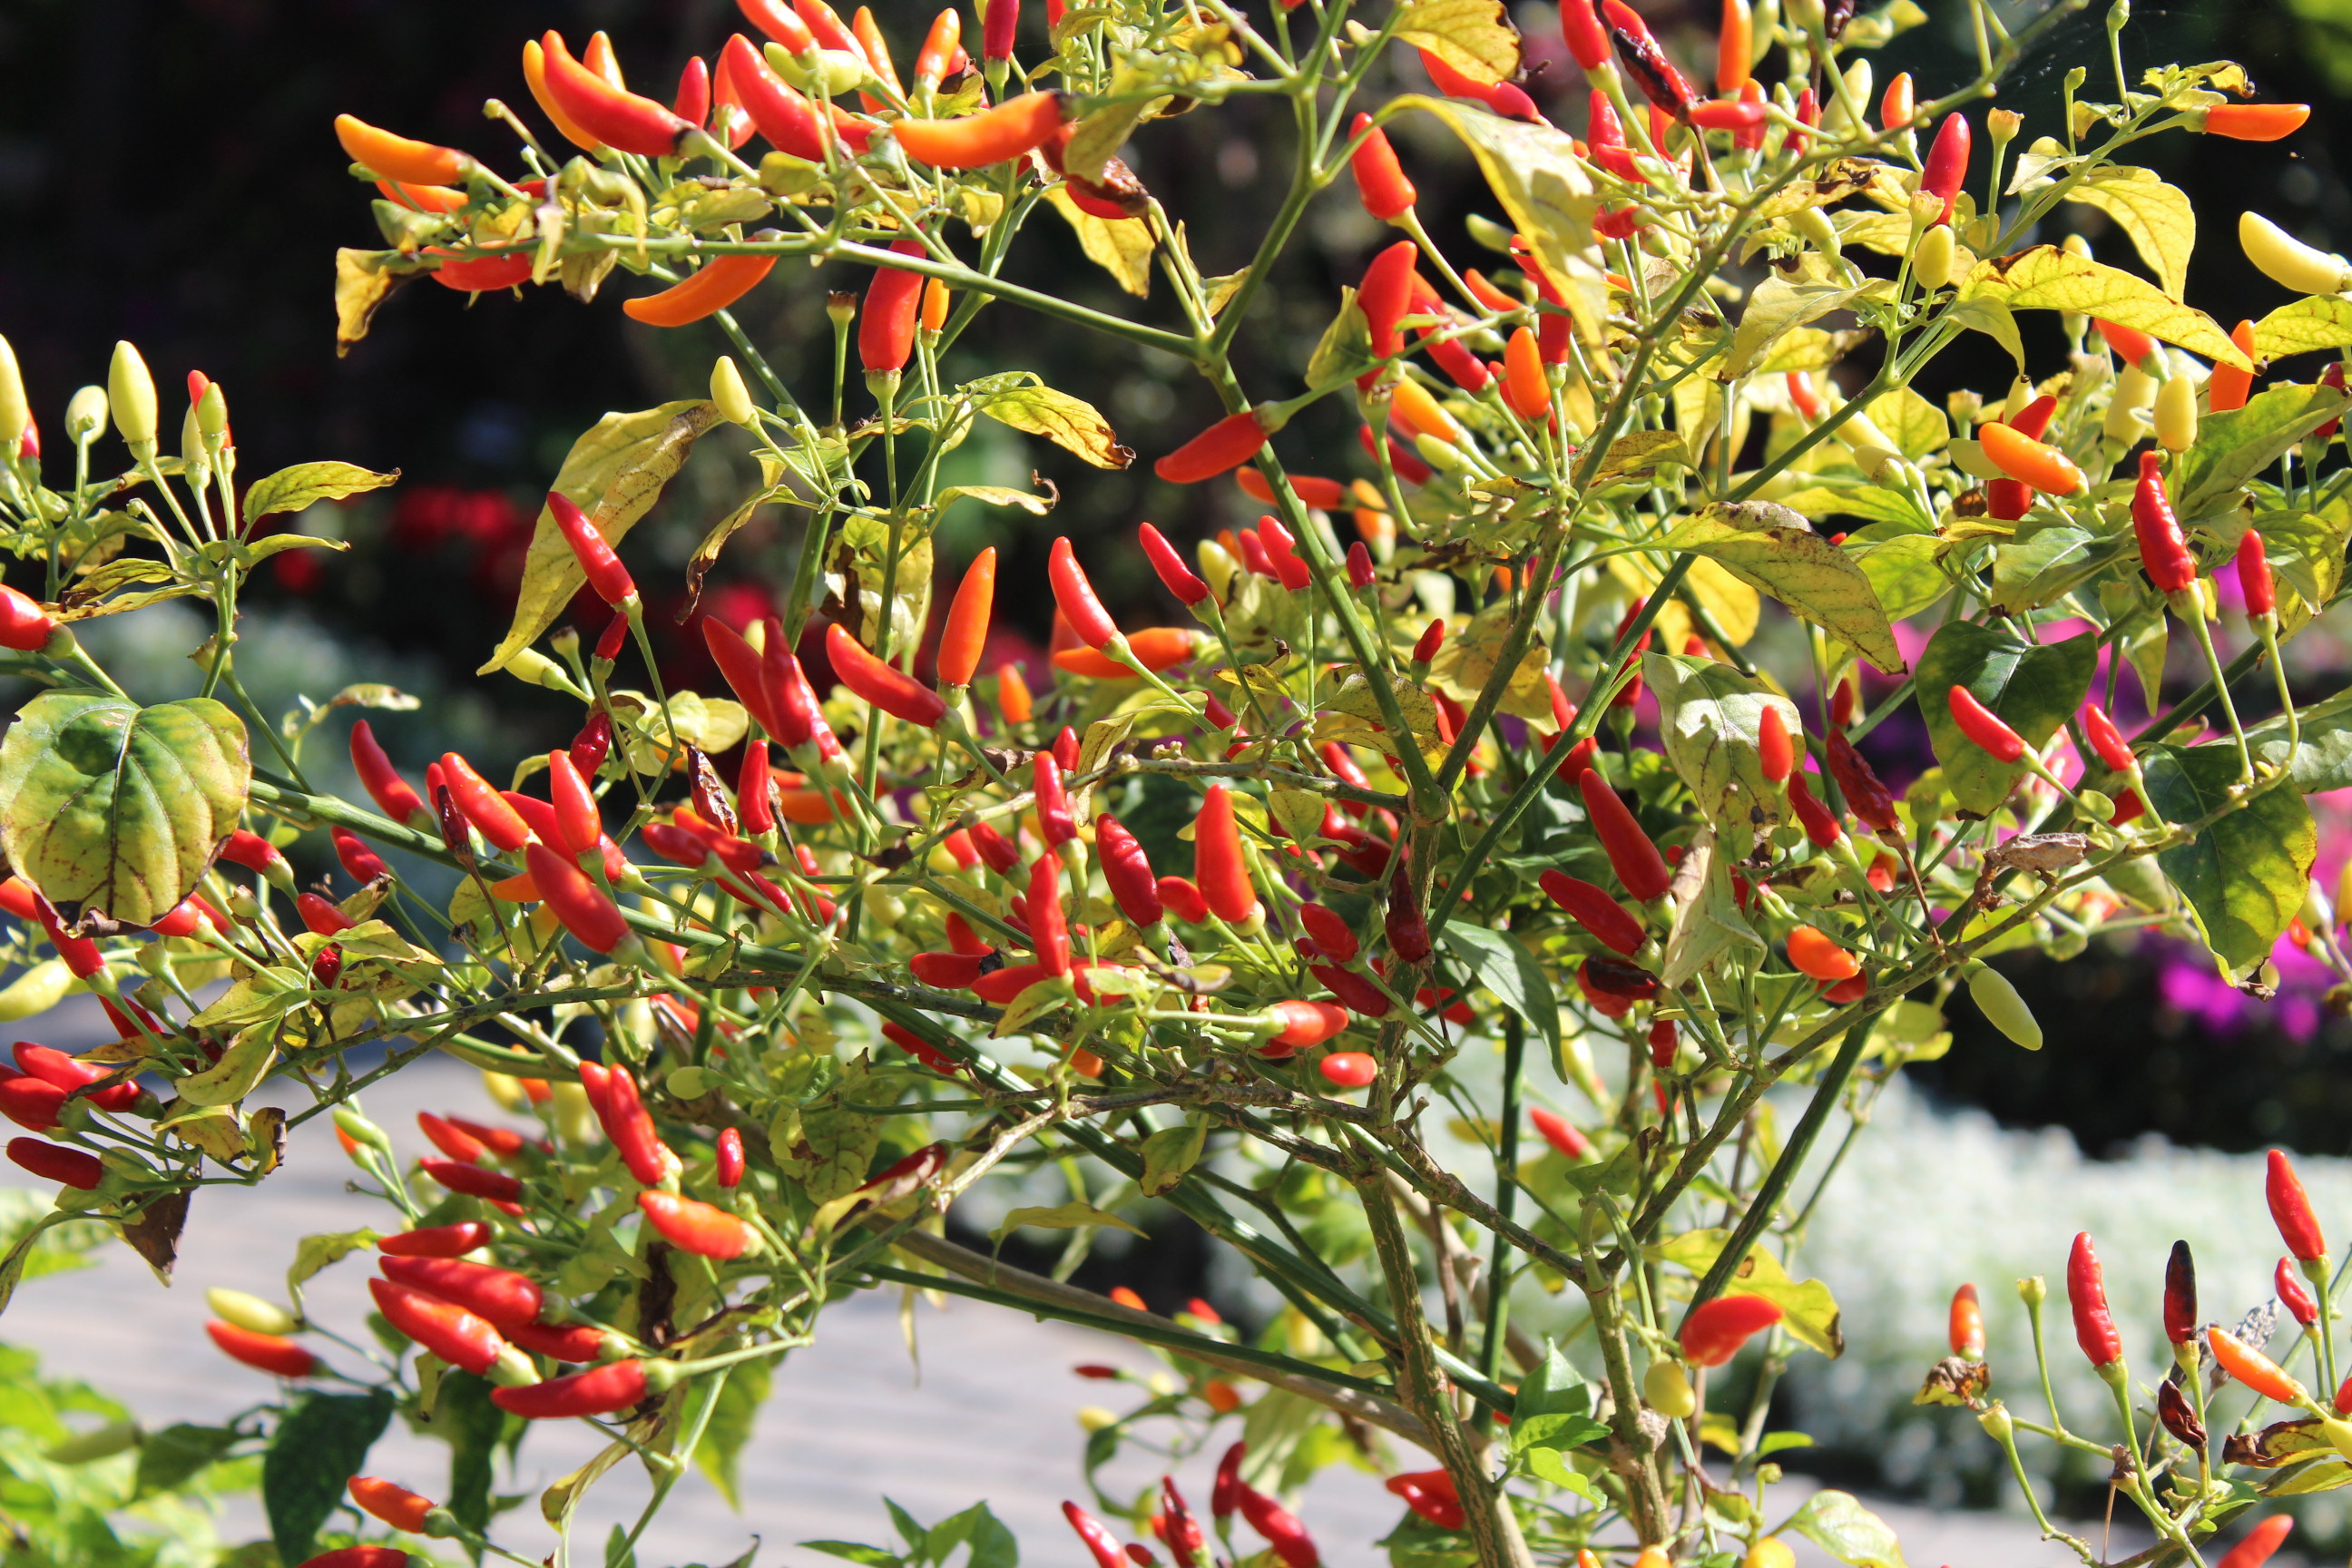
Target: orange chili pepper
{"type": "Point", "coordinates": [618, 116]}
{"type": "Point", "coordinates": [2030, 462]}
{"type": "Point", "coordinates": [868, 34]}
{"type": "Point", "coordinates": [2227, 387]}
{"type": "Point", "coordinates": [1074, 596]}
{"type": "Point", "coordinates": [1223, 446]}
{"type": "Point", "coordinates": [939, 47]}
{"type": "Point", "coordinates": [2254, 121]}
{"type": "Point", "coordinates": [395, 1504]}
{"type": "Point", "coordinates": [400, 157]}
{"type": "Point", "coordinates": [885, 686]}
{"type": "Point", "coordinates": [991, 136]}
{"type": "Point", "coordinates": [1895, 107]}
{"type": "Point", "coordinates": [1815, 953]}
{"type": "Point", "coordinates": [422, 198]}
{"type": "Point", "coordinates": [1155, 648]}
{"type": "Point", "coordinates": [966, 632]}
{"type": "Point", "coordinates": [777, 20]}
{"type": "Point", "coordinates": [786, 118]}
{"type": "Point", "coordinates": [1014, 701]}
{"type": "Point", "coordinates": [722, 281]}
{"type": "Point", "coordinates": [1966, 1327]}
{"type": "Point", "coordinates": [1525, 387]}
{"type": "Point", "coordinates": [2252, 1368]}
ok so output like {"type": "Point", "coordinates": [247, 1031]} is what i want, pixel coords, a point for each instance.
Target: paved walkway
{"type": "Point", "coordinates": [992, 1412]}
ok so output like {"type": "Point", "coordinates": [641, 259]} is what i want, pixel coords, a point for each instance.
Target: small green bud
{"type": "Point", "coordinates": [1494, 236]}
{"type": "Point", "coordinates": [86, 415]}
{"type": "Point", "coordinates": [534, 668]}
{"type": "Point", "coordinates": [131, 393]}
{"type": "Point", "coordinates": [1997, 1423]}
{"type": "Point", "coordinates": [2033, 1291]}
{"type": "Point", "coordinates": [733, 398]}
{"type": "Point", "coordinates": [361, 1130]}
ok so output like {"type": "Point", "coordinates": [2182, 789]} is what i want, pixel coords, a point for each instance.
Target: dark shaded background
{"type": "Point", "coordinates": [167, 173]}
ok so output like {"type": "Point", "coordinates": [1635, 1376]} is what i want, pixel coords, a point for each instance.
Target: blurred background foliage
{"type": "Point", "coordinates": [167, 174]}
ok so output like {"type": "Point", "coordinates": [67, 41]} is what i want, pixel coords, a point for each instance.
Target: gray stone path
{"type": "Point", "coordinates": [993, 1413]}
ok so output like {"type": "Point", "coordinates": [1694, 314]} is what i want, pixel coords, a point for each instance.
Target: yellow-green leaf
{"type": "Point", "coordinates": [1070, 423]}
{"type": "Point", "coordinates": [1800, 568]}
{"type": "Point", "coordinates": [2309, 325]}
{"type": "Point", "coordinates": [1061, 1216]}
{"type": "Point", "coordinates": [2046, 277]}
{"type": "Point", "coordinates": [1639, 455]}
{"type": "Point", "coordinates": [1122, 248]}
{"type": "Point", "coordinates": [1917, 425]}
{"type": "Point", "coordinates": [238, 1072]}
{"type": "Point", "coordinates": [615, 473]}
{"type": "Point", "coordinates": [295, 489]}
{"type": "Point", "coordinates": [1541, 183]}
{"type": "Point", "coordinates": [1776, 306]}
{"type": "Point", "coordinates": [2159, 217]}
{"type": "Point", "coordinates": [1475, 36]}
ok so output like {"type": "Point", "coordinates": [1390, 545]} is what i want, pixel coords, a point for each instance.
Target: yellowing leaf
{"type": "Point", "coordinates": [1639, 455]}
{"type": "Point", "coordinates": [1778, 306]}
{"type": "Point", "coordinates": [2047, 278]}
{"type": "Point", "coordinates": [1734, 606]}
{"type": "Point", "coordinates": [296, 488]}
{"type": "Point", "coordinates": [1475, 36]}
{"type": "Point", "coordinates": [2159, 217]}
{"type": "Point", "coordinates": [1468, 660]}
{"type": "Point", "coordinates": [1061, 1216]}
{"type": "Point", "coordinates": [1122, 248]}
{"type": "Point", "coordinates": [1536, 175]}
{"type": "Point", "coordinates": [2309, 325]}
{"type": "Point", "coordinates": [1800, 568]}
{"type": "Point", "coordinates": [1070, 423]}
{"type": "Point", "coordinates": [363, 283]}
{"type": "Point", "coordinates": [1917, 425]}
{"type": "Point", "coordinates": [615, 473]}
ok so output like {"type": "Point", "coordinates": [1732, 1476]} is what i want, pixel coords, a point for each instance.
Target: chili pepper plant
{"type": "Point", "coordinates": [1541, 901]}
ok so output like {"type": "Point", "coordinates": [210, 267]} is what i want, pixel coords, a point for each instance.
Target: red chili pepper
{"type": "Point", "coordinates": [458, 1336]}
{"type": "Point", "coordinates": [319, 917]}
{"type": "Point", "coordinates": [1638, 52]}
{"type": "Point", "coordinates": [1740, 116]}
{"type": "Point", "coordinates": [692, 1225]}
{"type": "Point", "coordinates": [51, 1163]}
{"type": "Point", "coordinates": [783, 114]}
{"type": "Point", "coordinates": [2292, 1294]}
{"type": "Point", "coordinates": [945, 971]}
{"type": "Point", "coordinates": [1304, 1023]}
{"type": "Point", "coordinates": [483, 807]}
{"type": "Point", "coordinates": [2332, 378]}
{"type": "Point", "coordinates": [2106, 741]}
{"type": "Point", "coordinates": [2254, 1548]}
{"type": "Point", "coordinates": [1967, 1329]}
{"type": "Point", "coordinates": [586, 910]}
{"type": "Point", "coordinates": [997, 851]}
{"type": "Point", "coordinates": [2163, 552]}
{"type": "Point", "coordinates": [1092, 1531]}
{"type": "Point", "coordinates": [1380, 178]}
{"type": "Point", "coordinates": [1174, 576]}
{"type": "Point", "coordinates": [1866, 795]}
{"type": "Point", "coordinates": [1555, 1130]}
{"type": "Point", "coordinates": [1982, 726]}
{"type": "Point", "coordinates": [263, 1353]}
{"type": "Point", "coordinates": [1224, 446]}
{"type": "Point", "coordinates": [631, 1128]}
{"type": "Point", "coordinates": [886, 325]}
{"type": "Point", "coordinates": [1182, 899]}
{"type": "Point", "coordinates": [473, 1181]}
{"type": "Point", "coordinates": [610, 113]}
{"type": "Point", "coordinates": [1225, 1495]}
{"type": "Point", "coordinates": [2180, 1295]}
{"type": "Point", "coordinates": [991, 136]}
{"type": "Point", "coordinates": [1946, 168]}
{"type": "Point", "coordinates": [727, 1158]}
{"type": "Point", "coordinates": [965, 634]}
{"type": "Point", "coordinates": [255, 853]}
{"type": "Point", "coordinates": [1049, 932]}
{"type": "Point", "coordinates": [70, 1073]}
{"type": "Point", "coordinates": [2291, 1210]}
{"type": "Point", "coordinates": [24, 625]}
{"type": "Point", "coordinates": [31, 1103]}
{"type": "Point", "coordinates": [1588, 39]}
{"type": "Point", "coordinates": [1184, 1535]}
{"type": "Point", "coordinates": [1334, 936]}
{"type": "Point", "coordinates": [885, 686]}
{"type": "Point", "coordinates": [2086, 1293]}
{"type": "Point", "coordinates": [2252, 1368]}
{"type": "Point", "coordinates": [595, 742]}
{"type": "Point", "coordinates": [568, 1343]}
{"type": "Point", "coordinates": [2254, 575]}
{"type": "Point", "coordinates": [500, 1297]}
{"type": "Point", "coordinates": [1281, 1528]}
{"type": "Point", "coordinates": [436, 1240]}
{"type": "Point", "coordinates": [1716, 1328]}
{"type": "Point", "coordinates": [1218, 866]}
{"type": "Point", "coordinates": [359, 1557]}
{"type": "Point", "coordinates": [1431, 1494]}
{"type": "Point", "coordinates": [1602, 918]}
{"type": "Point", "coordinates": [1360, 571]}
{"type": "Point", "coordinates": [360, 862]}
{"type": "Point", "coordinates": [1074, 595]}
{"type": "Point", "coordinates": [1630, 853]}
{"type": "Point", "coordinates": [382, 782]}
{"type": "Point", "coordinates": [600, 1391]}
{"type": "Point", "coordinates": [451, 1140]}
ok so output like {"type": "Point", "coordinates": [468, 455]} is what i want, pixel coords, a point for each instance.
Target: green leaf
{"type": "Point", "coordinates": [1639, 455]}
{"type": "Point", "coordinates": [1800, 568]}
{"type": "Point", "coordinates": [1070, 423]}
{"type": "Point", "coordinates": [1780, 305]}
{"type": "Point", "coordinates": [313, 1253]}
{"type": "Point", "coordinates": [464, 1417]}
{"type": "Point", "coordinates": [1507, 969]}
{"type": "Point", "coordinates": [870, 1556]}
{"type": "Point", "coordinates": [105, 805]}
{"type": "Point", "coordinates": [1034, 1003]}
{"type": "Point", "coordinates": [734, 1413]}
{"type": "Point", "coordinates": [2159, 217]}
{"type": "Point", "coordinates": [1917, 425]}
{"type": "Point", "coordinates": [2245, 875]}
{"type": "Point", "coordinates": [306, 484]}
{"type": "Point", "coordinates": [615, 473]}
{"type": "Point", "coordinates": [2234, 449]}
{"type": "Point", "coordinates": [2323, 761]}
{"type": "Point", "coordinates": [1901, 566]}
{"type": "Point", "coordinates": [1838, 1524]}
{"type": "Point", "coordinates": [175, 1455]}
{"type": "Point", "coordinates": [1171, 1151]}
{"type": "Point", "coordinates": [1475, 36]}
{"type": "Point", "coordinates": [1712, 716]}
{"type": "Point", "coordinates": [1345, 348]}
{"type": "Point", "coordinates": [315, 1450]}
{"type": "Point", "coordinates": [2046, 277]}
{"type": "Point", "coordinates": [2032, 686]}
{"type": "Point", "coordinates": [2047, 559]}
{"type": "Point", "coordinates": [2312, 324]}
